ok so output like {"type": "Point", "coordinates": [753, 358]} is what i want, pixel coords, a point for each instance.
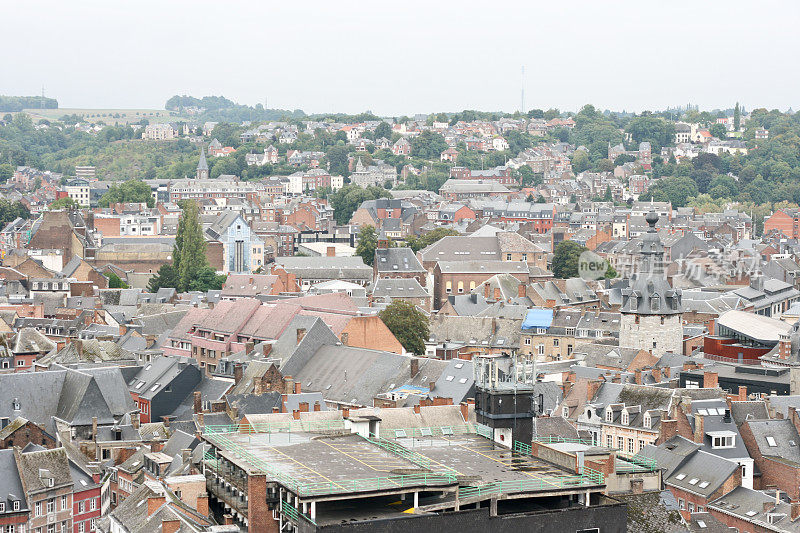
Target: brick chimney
{"type": "Point", "coordinates": [522, 290]}
{"type": "Point", "coordinates": [331, 251]}
{"type": "Point", "coordinates": [198, 402]}
{"type": "Point", "coordinates": [794, 417]}
{"type": "Point", "coordinates": [795, 511]}
{"type": "Point", "coordinates": [154, 503]}
{"type": "Point", "coordinates": [464, 407]}
{"type": "Point", "coordinates": [298, 387]}
{"type": "Point", "coordinates": [414, 367]}
{"type": "Point", "coordinates": [637, 377]}
{"type": "Point", "coordinates": [301, 332]}
{"type": "Point", "coordinates": [699, 429]}
{"type": "Point", "coordinates": [742, 393]}
{"type": "Point", "coordinates": [170, 526]}
{"type": "Point", "coordinates": [238, 372]}
{"type": "Point", "coordinates": [656, 372]}
{"type": "Point", "coordinates": [637, 485]}
{"type": "Point", "coordinates": [202, 504]}
{"type": "Point", "coordinates": [416, 409]}
{"type": "Point", "coordinates": [710, 380]}
{"type": "Point", "coordinates": [497, 293]}
{"type": "Point", "coordinates": [317, 406]}
{"type": "Point", "coordinates": [94, 427]}
{"type": "Point", "coordinates": [345, 412]}
{"type": "Point", "coordinates": [302, 407]}
{"type": "Point", "coordinates": [486, 291]}
{"type": "Point", "coordinates": [289, 383]}
{"type": "Point", "coordinates": [669, 428]}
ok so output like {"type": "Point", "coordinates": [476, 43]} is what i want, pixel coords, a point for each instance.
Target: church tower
{"type": "Point", "coordinates": [652, 314]}
{"type": "Point", "coordinates": [202, 166]}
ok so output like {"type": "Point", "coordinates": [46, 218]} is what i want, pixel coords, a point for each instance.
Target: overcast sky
{"type": "Point", "coordinates": [405, 57]}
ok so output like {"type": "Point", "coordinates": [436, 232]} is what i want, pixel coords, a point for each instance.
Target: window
{"type": "Point", "coordinates": [625, 418]}
{"type": "Point", "coordinates": [38, 509]}
{"type": "Point", "coordinates": [16, 505]}
{"type": "Point", "coordinates": [51, 505]}
{"type": "Point", "coordinates": [540, 349]}
{"type": "Point", "coordinates": [448, 286]}
{"type": "Point", "coordinates": [630, 445]}
{"type": "Point", "coordinates": [691, 507]}
{"type": "Point", "coordinates": [460, 286]}
{"type": "Point", "coordinates": [82, 507]}
{"type": "Point", "coordinates": [744, 470]}
{"type": "Point", "coordinates": [555, 343]}
{"type": "Point", "coordinates": [725, 441]}
{"type": "Point", "coordinates": [682, 504]}
{"type": "Point", "coordinates": [2, 507]}
{"type": "Point", "coordinates": [609, 441]}
{"type": "Point", "coordinates": [93, 504]}
{"type": "Point", "coordinates": [620, 443]}
{"type": "Point", "coordinates": [609, 415]}
{"type": "Point", "coordinates": [81, 527]}
{"type": "Point", "coordinates": [641, 444]}
{"type": "Point", "coordinates": [527, 341]}
{"type": "Point", "coordinates": [571, 332]}
{"type": "Point", "coordinates": [508, 257]}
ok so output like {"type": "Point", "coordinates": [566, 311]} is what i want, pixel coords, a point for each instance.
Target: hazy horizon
{"type": "Point", "coordinates": [415, 58]}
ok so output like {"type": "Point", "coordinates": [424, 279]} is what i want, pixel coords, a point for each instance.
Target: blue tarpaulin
{"type": "Point", "coordinates": [538, 318]}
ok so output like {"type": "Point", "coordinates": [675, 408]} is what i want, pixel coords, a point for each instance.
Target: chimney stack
{"type": "Point", "coordinates": [198, 402]}
{"type": "Point", "coordinates": [289, 383]}
{"type": "Point", "coordinates": [154, 503]}
{"type": "Point", "coordinates": [464, 406]}
{"type": "Point", "coordinates": [301, 332]}
{"type": "Point", "coordinates": [202, 504]}
{"type": "Point", "coordinates": [522, 290]}
{"type": "Point", "coordinates": [414, 367]}
{"type": "Point", "coordinates": [238, 372]}
{"type": "Point", "coordinates": [331, 251]}
{"type": "Point", "coordinates": [94, 427]}
{"type": "Point", "coordinates": [170, 526]}
{"type": "Point", "coordinates": [710, 380]}
{"type": "Point", "coordinates": [699, 429]}
{"type": "Point", "coordinates": [297, 387]}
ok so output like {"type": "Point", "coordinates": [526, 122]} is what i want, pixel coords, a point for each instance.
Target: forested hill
{"type": "Point", "coordinates": [220, 109]}
{"type": "Point", "coordinates": [18, 103]}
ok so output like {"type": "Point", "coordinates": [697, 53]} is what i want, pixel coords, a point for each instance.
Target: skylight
{"type": "Point", "coordinates": [751, 513]}
{"type": "Point", "coordinates": [462, 380]}
{"type": "Point", "coordinates": [680, 477]}
{"type": "Point", "coordinates": [459, 365]}
{"type": "Point", "coordinates": [450, 378]}
{"type": "Point", "coordinates": [703, 485]}
{"type": "Point", "coordinates": [693, 481]}
{"type": "Point", "coordinates": [771, 441]}
{"type": "Point", "coordinates": [701, 524]}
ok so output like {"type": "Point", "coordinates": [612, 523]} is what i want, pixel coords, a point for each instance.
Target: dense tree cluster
{"type": "Point", "coordinates": [346, 200]}
{"type": "Point", "coordinates": [408, 324]}
{"type": "Point", "coordinates": [131, 191]}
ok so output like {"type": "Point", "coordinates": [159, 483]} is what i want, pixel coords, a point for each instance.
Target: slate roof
{"type": "Point", "coordinates": [783, 434]}
{"type": "Point", "coordinates": [395, 260]}
{"type": "Point", "coordinates": [32, 464]}
{"type": "Point", "coordinates": [356, 375]}
{"type": "Point", "coordinates": [398, 288]}
{"type": "Point", "coordinates": [10, 483]}
{"type": "Point", "coordinates": [71, 395]}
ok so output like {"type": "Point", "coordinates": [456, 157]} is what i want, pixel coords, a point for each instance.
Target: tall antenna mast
{"type": "Point", "coordinates": [522, 92]}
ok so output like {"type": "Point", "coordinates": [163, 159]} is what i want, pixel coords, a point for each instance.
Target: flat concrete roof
{"type": "Point", "coordinates": [314, 459]}
{"type": "Point", "coordinates": [475, 456]}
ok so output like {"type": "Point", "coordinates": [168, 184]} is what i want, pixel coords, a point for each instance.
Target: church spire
{"type": "Point", "coordinates": [202, 166]}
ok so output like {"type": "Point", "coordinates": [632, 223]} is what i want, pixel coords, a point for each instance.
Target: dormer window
{"type": "Point", "coordinates": [16, 505]}
{"type": "Point", "coordinates": [15, 405]}
{"type": "Point", "coordinates": [2, 507]}
{"type": "Point", "coordinates": [609, 415]}
{"type": "Point", "coordinates": [625, 418]}
{"type": "Point", "coordinates": [648, 422]}
{"type": "Point", "coordinates": [655, 303]}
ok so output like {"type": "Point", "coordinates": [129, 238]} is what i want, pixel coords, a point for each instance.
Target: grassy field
{"type": "Point", "coordinates": [124, 116]}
